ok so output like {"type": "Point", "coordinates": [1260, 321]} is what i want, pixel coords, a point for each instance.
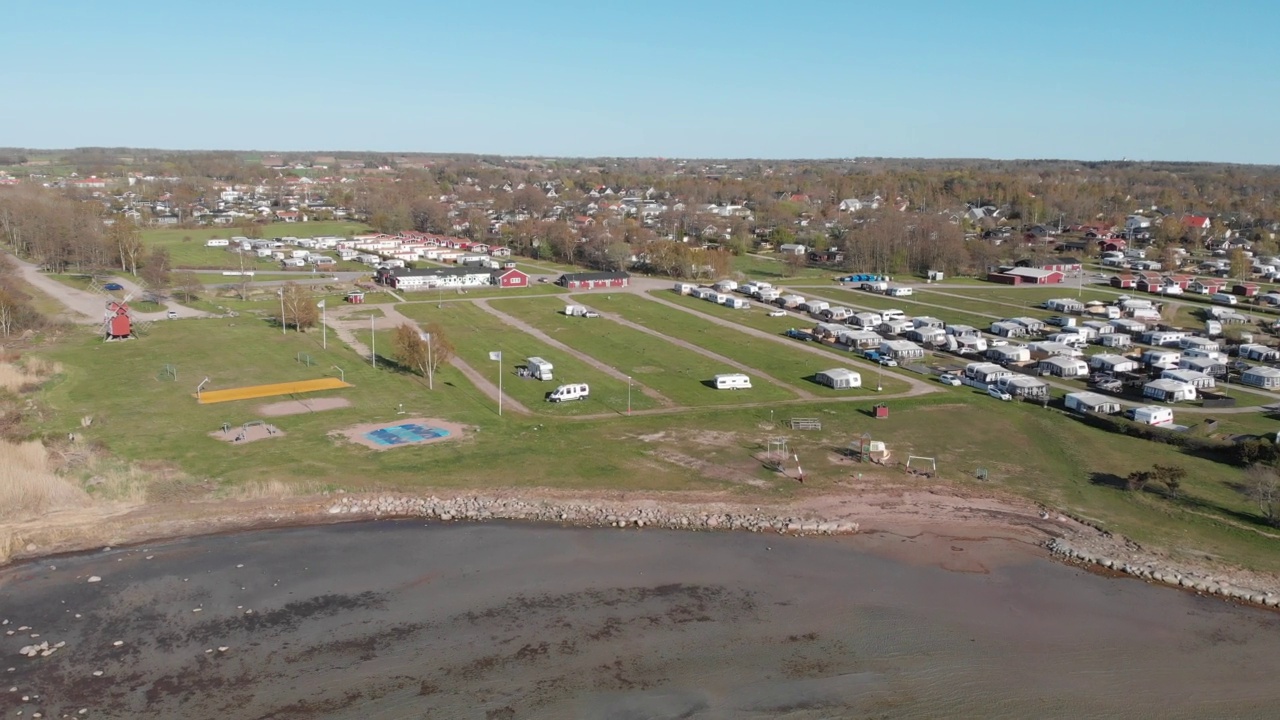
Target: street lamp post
{"type": "Point", "coordinates": [373, 343]}
{"type": "Point", "coordinates": [282, 322]}
{"type": "Point", "coordinates": [628, 395]}
{"type": "Point", "coordinates": [324, 327]}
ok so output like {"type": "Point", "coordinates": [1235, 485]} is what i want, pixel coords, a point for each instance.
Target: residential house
{"type": "Point", "coordinates": [792, 249]}
{"type": "Point", "coordinates": [1167, 390]}
{"type": "Point", "coordinates": [1205, 286]}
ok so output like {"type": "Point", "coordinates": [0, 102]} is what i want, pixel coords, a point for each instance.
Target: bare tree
{"type": "Point", "coordinates": [299, 307]}
{"type": "Point", "coordinates": [126, 240]}
{"type": "Point", "coordinates": [1262, 484]}
{"type": "Point", "coordinates": [156, 270]}
{"type": "Point", "coordinates": [187, 285]}
{"type": "Point", "coordinates": [423, 350]}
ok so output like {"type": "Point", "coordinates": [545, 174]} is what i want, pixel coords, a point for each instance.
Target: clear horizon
{"type": "Point", "coordinates": [810, 80]}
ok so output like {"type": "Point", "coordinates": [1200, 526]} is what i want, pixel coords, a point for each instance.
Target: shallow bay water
{"type": "Point", "coordinates": [404, 620]}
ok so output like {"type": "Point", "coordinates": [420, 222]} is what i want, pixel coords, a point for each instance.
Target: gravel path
{"type": "Point", "coordinates": [569, 350]}
{"type": "Point", "coordinates": [88, 308]}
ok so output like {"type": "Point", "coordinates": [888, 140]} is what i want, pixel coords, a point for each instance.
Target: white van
{"type": "Point", "coordinates": [217, 242]}
{"type": "Point", "coordinates": [575, 391]}
{"type": "Point", "coordinates": [732, 381]}
{"type": "Point", "coordinates": [892, 315]}
{"type": "Point", "coordinates": [1223, 299]}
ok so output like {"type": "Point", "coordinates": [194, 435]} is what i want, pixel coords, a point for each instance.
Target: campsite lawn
{"type": "Point", "coordinates": [791, 364]}
{"type": "Point", "coordinates": [682, 375]}
{"type": "Point", "coordinates": [859, 299]}
{"type": "Point", "coordinates": [763, 267]}
{"type": "Point", "coordinates": [475, 333]}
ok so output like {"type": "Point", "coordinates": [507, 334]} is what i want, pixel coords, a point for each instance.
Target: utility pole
{"type": "Point", "coordinates": [373, 343]}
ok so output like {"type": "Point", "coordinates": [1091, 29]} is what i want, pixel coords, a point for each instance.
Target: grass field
{"type": "Point", "coordinates": [792, 365]}
{"type": "Point", "coordinates": [1037, 453]}
{"type": "Point", "coordinates": [475, 333]}
{"type": "Point", "coordinates": [767, 268]}
{"type": "Point", "coordinates": [478, 293]}
{"type": "Point", "coordinates": [680, 374]}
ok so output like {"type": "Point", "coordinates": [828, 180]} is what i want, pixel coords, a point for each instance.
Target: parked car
{"type": "Point", "coordinates": [172, 314]}
{"type": "Point", "coordinates": [778, 313]}
{"type": "Point", "coordinates": [997, 342]}
{"type": "Point", "coordinates": [113, 286]}
{"type": "Point", "coordinates": [999, 394]}
{"type": "Point", "coordinates": [888, 362]}
{"type": "Point", "coordinates": [949, 379]}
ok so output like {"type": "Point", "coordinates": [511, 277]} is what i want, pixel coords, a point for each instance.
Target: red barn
{"type": "Point", "coordinates": [510, 278]}
{"type": "Point", "coordinates": [594, 280]}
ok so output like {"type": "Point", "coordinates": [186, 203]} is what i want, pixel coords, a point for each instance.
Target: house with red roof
{"type": "Point", "coordinates": [1196, 222]}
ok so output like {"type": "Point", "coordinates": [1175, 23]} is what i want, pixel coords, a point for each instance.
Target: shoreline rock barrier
{"type": "Point", "coordinates": [584, 514]}
{"type": "Point", "coordinates": [1153, 572]}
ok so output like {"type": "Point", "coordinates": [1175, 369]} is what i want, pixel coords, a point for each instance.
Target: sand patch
{"type": "Point", "coordinates": [239, 434]}
{"type": "Point", "coordinates": [300, 407]}
{"type": "Point", "coordinates": [401, 433]}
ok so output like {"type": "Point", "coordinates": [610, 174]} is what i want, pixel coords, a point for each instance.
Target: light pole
{"type": "Point", "coordinates": [324, 328]}
{"type": "Point", "coordinates": [431, 372]}
{"type": "Point", "coordinates": [373, 343]}
{"type": "Point", "coordinates": [628, 395]}
{"type": "Point", "coordinates": [497, 355]}
{"type": "Point", "coordinates": [282, 323]}
{"type": "Point", "coordinates": [879, 376]}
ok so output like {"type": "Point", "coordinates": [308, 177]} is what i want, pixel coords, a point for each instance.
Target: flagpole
{"type": "Point", "coordinates": [373, 343]}
{"type": "Point", "coordinates": [324, 327]}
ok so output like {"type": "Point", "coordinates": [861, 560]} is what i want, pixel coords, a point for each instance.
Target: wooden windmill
{"type": "Point", "coordinates": [118, 325]}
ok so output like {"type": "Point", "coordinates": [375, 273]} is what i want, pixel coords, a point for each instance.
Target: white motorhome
{"type": "Point", "coordinates": [732, 381]}
{"type": "Point", "coordinates": [574, 391]}
{"type": "Point", "coordinates": [217, 242]}
{"type": "Point", "coordinates": [539, 369]}
{"type": "Point", "coordinates": [580, 311]}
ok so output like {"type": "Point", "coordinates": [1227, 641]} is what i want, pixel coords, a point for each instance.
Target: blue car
{"type": "Point", "coordinates": [113, 286]}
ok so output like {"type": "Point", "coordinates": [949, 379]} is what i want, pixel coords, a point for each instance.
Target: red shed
{"type": "Point", "coordinates": [1124, 282]}
{"type": "Point", "coordinates": [1245, 289]}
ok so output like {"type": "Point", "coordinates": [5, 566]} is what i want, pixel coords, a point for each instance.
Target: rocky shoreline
{"type": "Point", "coordinates": [584, 514]}
{"type": "Point", "coordinates": [1155, 571]}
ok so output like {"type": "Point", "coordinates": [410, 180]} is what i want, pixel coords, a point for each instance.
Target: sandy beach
{"type": "Point", "coordinates": [931, 518]}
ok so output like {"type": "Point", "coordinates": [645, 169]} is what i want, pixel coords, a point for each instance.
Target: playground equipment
{"type": "Point", "coordinates": [168, 372]}
{"type": "Point", "coordinates": [777, 453]}
{"type": "Point", "coordinates": [806, 424]}
{"type": "Point", "coordinates": [864, 449]}
{"type": "Point", "coordinates": [920, 462]}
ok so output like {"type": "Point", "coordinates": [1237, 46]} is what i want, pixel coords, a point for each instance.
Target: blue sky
{"type": "Point", "coordinates": [1077, 79]}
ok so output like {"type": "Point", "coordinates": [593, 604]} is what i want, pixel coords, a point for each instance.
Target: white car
{"type": "Point", "coordinates": [949, 379]}
{"type": "Point", "coordinates": [999, 394]}
{"type": "Point", "coordinates": [778, 313]}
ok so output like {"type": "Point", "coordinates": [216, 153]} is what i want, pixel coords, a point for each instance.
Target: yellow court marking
{"type": "Point", "coordinates": [251, 392]}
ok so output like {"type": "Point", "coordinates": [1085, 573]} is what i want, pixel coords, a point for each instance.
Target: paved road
{"type": "Point", "coordinates": [89, 308]}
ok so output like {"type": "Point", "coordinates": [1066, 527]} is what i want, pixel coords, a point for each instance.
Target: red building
{"type": "Point", "coordinates": [510, 278]}
{"type": "Point", "coordinates": [1124, 282]}
{"type": "Point", "coordinates": [594, 280]}
{"type": "Point", "coordinates": [1245, 289]}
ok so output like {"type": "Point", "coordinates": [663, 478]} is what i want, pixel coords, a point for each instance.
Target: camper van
{"type": "Point", "coordinates": [538, 368]}
{"type": "Point", "coordinates": [217, 242]}
{"type": "Point", "coordinates": [733, 381]}
{"type": "Point", "coordinates": [1223, 299]}
{"type": "Point", "coordinates": [564, 393]}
